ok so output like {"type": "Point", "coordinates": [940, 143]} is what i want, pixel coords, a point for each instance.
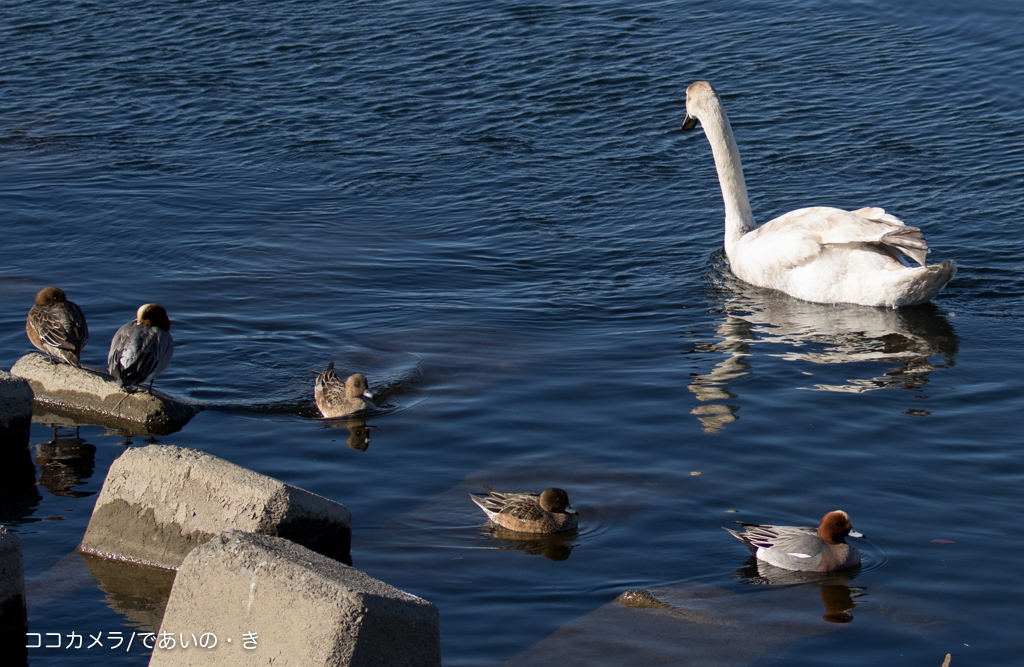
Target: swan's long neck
{"type": "Point", "coordinates": [738, 218]}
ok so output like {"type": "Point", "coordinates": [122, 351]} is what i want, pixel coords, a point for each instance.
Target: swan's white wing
{"type": "Point", "coordinates": [783, 247]}
{"type": "Point", "coordinates": [832, 226]}
{"type": "Point", "coordinates": [879, 215]}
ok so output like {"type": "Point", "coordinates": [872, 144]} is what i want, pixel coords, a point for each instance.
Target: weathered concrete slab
{"type": "Point", "coordinates": [94, 395]}
{"type": "Point", "coordinates": [13, 618]}
{"type": "Point", "coordinates": [296, 607]}
{"type": "Point", "coordinates": [16, 399]}
{"type": "Point", "coordinates": [160, 502]}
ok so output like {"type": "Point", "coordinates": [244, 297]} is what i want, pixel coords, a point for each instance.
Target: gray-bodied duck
{"type": "Point", "coordinates": [803, 548]}
{"type": "Point", "coordinates": [142, 348]}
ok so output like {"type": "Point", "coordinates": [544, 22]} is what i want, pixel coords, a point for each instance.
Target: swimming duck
{"type": "Point", "coordinates": [820, 254]}
{"type": "Point", "coordinates": [803, 548]}
{"type": "Point", "coordinates": [335, 398]}
{"type": "Point", "coordinates": [547, 512]}
{"type": "Point", "coordinates": [142, 348]}
{"type": "Point", "coordinates": [57, 326]}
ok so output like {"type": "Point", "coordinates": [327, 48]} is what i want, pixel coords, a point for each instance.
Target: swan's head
{"type": "Point", "coordinates": [700, 98]}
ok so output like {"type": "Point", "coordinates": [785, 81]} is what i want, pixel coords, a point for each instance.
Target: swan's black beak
{"type": "Point", "coordinates": [689, 123]}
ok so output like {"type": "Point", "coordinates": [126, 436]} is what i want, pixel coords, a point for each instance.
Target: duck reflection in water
{"type": "Point", "coordinates": [837, 596]}
{"type": "Point", "coordinates": [65, 462]}
{"type": "Point", "coordinates": [556, 546]}
{"type": "Point", "coordinates": [358, 431]}
{"type": "Point", "coordinates": [916, 340]}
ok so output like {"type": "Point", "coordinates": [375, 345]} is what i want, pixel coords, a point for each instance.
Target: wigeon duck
{"type": "Point", "coordinates": [142, 348]}
{"type": "Point", "coordinates": [335, 398]}
{"type": "Point", "coordinates": [57, 326]}
{"type": "Point", "coordinates": [803, 548]}
{"type": "Point", "coordinates": [547, 512]}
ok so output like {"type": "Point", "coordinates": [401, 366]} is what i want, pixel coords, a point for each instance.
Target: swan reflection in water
{"type": "Point", "coordinates": [837, 597]}
{"type": "Point", "coordinates": [914, 340]}
{"type": "Point", "coordinates": [556, 546]}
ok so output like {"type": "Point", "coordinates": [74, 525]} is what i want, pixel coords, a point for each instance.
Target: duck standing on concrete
{"type": "Point", "coordinates": [803, 548]}
{"type": "Point", "coordinates": [57, 326]}
{"type": "Point", "coordinates": [335, 398]}
{"type": "Point", "coordinates": [142, 348]}
{"type": "Point", "coordinates": [545, 513]}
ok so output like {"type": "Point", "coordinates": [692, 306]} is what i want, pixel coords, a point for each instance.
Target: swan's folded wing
{"type": "Point", "coordinates": [784, 243]}
{"type": "Point", "coordinates": [879, 215]}
{"type": "Point", "coordinates": [833, 226]}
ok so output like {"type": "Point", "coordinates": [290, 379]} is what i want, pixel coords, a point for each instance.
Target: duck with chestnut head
{"type": "Point", "coordinates": [538, 513]}
{"type": "Point", "coordinates": [803, 548]}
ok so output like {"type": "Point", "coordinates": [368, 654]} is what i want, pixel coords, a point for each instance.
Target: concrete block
{"type": "Point", "coordinates": [160, 502]}
{"type": "Point", "coordinates": [297, 607]}
{"type": "Point", "coordinates": [13, 618]}
{"type": "Point", "coordinates": [94, 394]}
{"type": "Point", "coordinates": [15, 410]}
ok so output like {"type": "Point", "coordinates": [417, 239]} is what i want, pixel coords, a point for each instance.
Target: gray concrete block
{"type": "Point", "coordinates": [160, 502]}
{"type": "Point", "coordinates": [302, 608]}
{"type": "Point", "coordinates": [13, 618]}
{"type": "Point", "coordinates": [15, 410]}
{"type": "Point", "coordinates": [94, 394]}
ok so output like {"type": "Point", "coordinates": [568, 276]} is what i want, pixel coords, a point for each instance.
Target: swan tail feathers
{"type": "Point", "coordinates": [908, 240]}
{"type": "Point", "coordinates": [925, 282]}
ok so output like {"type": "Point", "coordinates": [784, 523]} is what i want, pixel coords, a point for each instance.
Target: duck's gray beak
{"type": "Point", "coordinates": [570, 510]}
{"type": "Point", "coordinates": [854, 533]}
{"type": "Point", "coordinates": [689, 123]}
{"type": "Point", "coordinates": [368, 394]}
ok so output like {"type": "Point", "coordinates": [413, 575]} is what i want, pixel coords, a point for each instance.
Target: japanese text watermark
{"type": "Point", "coordinates": [119, 640]}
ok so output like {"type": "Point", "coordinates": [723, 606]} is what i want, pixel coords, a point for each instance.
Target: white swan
{"type": "Point", "coordinates": [820, 254]}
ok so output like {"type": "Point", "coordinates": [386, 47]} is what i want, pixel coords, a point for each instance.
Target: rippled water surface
{"type": "Point", "coordinates": [489, 208]}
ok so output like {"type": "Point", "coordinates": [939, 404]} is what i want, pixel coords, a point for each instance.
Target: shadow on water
{"type": "Point", "coordinates": [19, 496]}
{"type": "Point", "coordinates": [915, 341]}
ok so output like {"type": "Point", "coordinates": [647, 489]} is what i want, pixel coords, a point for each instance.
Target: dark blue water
{"type": "Point", "coordinates": [489, 209]}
